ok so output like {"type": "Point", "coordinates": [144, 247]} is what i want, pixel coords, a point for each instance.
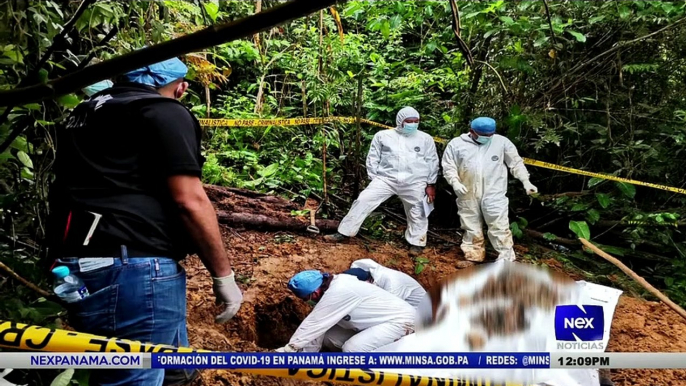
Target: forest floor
{"type": "Point", "coordinates": [264, 262]}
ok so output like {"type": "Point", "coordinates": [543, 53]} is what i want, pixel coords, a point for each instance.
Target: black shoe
{"type": "Point", "coordinates": [415, 250]}
{"type": "Point", "coordinates": [336, 237]}
{"type": "Point", "coordinates": [179, 377]}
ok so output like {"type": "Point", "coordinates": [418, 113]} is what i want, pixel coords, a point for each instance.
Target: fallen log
{"type": "Point", "coordinates": [241, 208]}
{"type": "Point", "coordinates": [268, 223]}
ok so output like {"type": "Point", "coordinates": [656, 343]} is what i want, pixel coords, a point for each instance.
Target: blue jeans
{"type": "Point", "coordinates": [140, 298]}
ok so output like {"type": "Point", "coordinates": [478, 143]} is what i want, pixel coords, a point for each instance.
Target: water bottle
{"type": "Point", "coordinates": [67, 286]}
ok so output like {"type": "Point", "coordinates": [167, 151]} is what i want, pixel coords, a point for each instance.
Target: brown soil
{"type": "Point", "coordinates": [270, 314]}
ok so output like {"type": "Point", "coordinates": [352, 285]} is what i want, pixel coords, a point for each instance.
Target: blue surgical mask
{"type": "Point", "coordinates": [409, 128]}
{"type": "Point", "coordinates": [483, 140]}
{"type": "Point", "coordinates": [97, 87]}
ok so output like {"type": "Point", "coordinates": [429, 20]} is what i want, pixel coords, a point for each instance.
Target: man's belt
{"type": "Point", "coordinates": [110, 252]}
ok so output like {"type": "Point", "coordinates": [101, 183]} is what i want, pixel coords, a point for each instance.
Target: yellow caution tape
{"type": "Point", "coordinates": [547, 165]}
{"type": "Point", "coordinates": [272, 122]}
{"type": "Point", "coordinates": [319, 121]}
{"type": "Point", "coordinates": [34, 338]}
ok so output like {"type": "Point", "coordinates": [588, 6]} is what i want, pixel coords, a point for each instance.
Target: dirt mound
{"type": "Point", "coordinates": [264, 262]}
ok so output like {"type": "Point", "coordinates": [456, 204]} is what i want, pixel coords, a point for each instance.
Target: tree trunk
{"type": "Point", "coordinates": [254, 210]}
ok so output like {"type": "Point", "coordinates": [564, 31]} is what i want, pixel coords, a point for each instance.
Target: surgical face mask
{"type": "Point", "coordinates": [312, 303]}
{"type": "Point", "coordinates": [483, 140]}
{"type": "Point", "coordinates": [409, 128]}
{"type": "Point", "coordinates": [97, 87]}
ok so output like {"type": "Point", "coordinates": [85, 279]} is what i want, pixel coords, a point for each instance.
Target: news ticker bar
{"type": "Point", "coordinates": [533, 360]}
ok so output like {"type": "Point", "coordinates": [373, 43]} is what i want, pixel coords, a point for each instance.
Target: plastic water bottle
{"type": "Point", "coordinates": [67, 286]}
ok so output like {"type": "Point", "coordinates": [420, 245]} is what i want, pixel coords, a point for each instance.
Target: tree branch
{"type": "Point", "coordinates": [208, 37]}
{"type": "Point", "coordinates": [635, 276]}
{"type": "Point", "coordinates": [110, 35]}
{"type": "Point", "coordinates": [67, 28]}
{"type": "Point", "coordinates": [550, 22]}
{"type": "Point", "coordinates": [617, 47]}
{"type": "Point", "coordinates": [466, 52]}
{"type": "Point", "coordinates": [496, 74]}
{"type": "Point", "coordinates": [25, 282]}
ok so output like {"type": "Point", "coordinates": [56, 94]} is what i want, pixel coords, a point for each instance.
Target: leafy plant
{"type": "Point", "coordinates": [420, 264]}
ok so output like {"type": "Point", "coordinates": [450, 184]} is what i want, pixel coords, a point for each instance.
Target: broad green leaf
{"type": "Point", "coordinates": [596, 19]}
{"type": "Point", "coordinates": [20, 143]}
{"type": "Point", "coordinates": [63, 379]}
{"type": "Point", "coordinates": [25, 159]}
{"type": "Point", "coordinates": [627, 189]}
{"type": "Point", "coordinates": [593, 216]}
{"type": "Point", "coordinates": [212, 11]}
{"type": "Point", "coordinates": [579, 207]}
{"type": "Point", "coordinates": [386, 29]}
{"type": "Point", "coordinates": [69, 101]}
{"type": "Point", "coordinates": [269, 170]}
{"type": "Point", "coordinates": [578, 36]}
{"type": "Point", "coordinates": [15, 56]}
{"type": "Point", "coordinates": [396, 20]}
{"type": "Point", "coordinates": [33, 106]}
{"type": "Point", "coordinates": [350, 74]}
{"type": "Point", "coordinates": [507, 20]}
{"type": "Point", "coordinates": [594, 182]}
{"type": "Point", "coordinates": [603, 200]}
{"type": "Point", "coordinates": [516, 232]}
{"type": "Point", "coordinates": [669, 281]}
{"type": "Point", "coordinates": [580, 228]}
{"type": "Point", "coordinates": [26, 173]}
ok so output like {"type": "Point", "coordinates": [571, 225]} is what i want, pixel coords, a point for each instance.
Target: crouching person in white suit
{"type": "Point", "coordinates": [398, 283]}
{"type": "Point", "coordinates": [402, 162]}
{"type": "Point", "coordinates": [350, 315]}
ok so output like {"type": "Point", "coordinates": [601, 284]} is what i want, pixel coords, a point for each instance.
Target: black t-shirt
{"type": "Point", "coordinates": [114, 155]}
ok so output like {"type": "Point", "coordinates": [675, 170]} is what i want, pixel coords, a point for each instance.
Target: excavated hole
{"type": "Point", "coordinates": [275, 323]}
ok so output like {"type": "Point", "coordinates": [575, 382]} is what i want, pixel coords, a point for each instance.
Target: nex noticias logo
{"type": "Point", "coordinates": [579, 323]}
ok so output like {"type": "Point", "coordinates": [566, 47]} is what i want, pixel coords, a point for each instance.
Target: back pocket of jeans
{"type": "Point", "coordinates": [96, 313]}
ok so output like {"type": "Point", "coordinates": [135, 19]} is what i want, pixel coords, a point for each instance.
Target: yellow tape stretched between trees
{"type": "Point", "coordinates": [34, 338]}
{"type": "Point", "coordinates": [319, 121]}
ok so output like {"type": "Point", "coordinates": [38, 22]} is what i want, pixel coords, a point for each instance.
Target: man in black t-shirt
{"type": "Point", "coordinates": [127, 204]}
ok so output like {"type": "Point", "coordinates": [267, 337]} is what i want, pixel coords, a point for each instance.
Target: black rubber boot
{"type": "Point", "coordinates": [336, 237]}
{"type": "Point", "coordinates": [415, 250]}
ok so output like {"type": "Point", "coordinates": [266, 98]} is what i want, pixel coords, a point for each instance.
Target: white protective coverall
{"type": "Point", "coordinates": [354, 316]}
{"type": "Point", "coordinates": [402, 165]}
{"type": "Point", "coordinates": [398, 283]}
{"type": "Point", "coordinates": [483, 170]}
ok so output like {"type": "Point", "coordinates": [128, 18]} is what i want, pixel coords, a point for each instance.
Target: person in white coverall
{"type": "Point", "coordinates": [398, 283]}
{"type": "Point", "coordinates": [475, 164]}
{"type": "Point", "coordinates": [350, 315]}
{"type": "Point", "coordinates": [401, 162]}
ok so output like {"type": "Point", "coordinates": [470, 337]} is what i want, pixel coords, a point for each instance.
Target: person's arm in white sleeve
{"type": "Point", "coordinates": [365, 264]}
{"type": "Point", "coordinates": [374, 157]}
{"type": "Point", "coordinates": [432, 160]}
{"type": "Point", "coordinates": [449, 164]}
{"type": "Point", "coordinates": [516, 165]}
{"type": "Point", "coordinates": [333, 307]}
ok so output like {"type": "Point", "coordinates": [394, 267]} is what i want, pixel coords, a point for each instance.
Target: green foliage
{"type": "Point", "coordinates": [580, 228]}
{"type": "Point", "coordinates": [420, 264]}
